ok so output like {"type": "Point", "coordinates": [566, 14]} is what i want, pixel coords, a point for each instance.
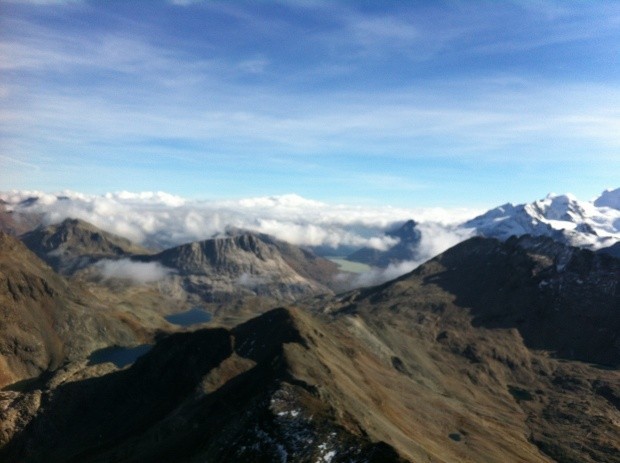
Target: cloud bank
{"type": "Point", "coordinates": [435, 239]}
{"type": "Point", "coordinates": [138, 272]}
{"type": "Point", "coordinates": [161, 220]}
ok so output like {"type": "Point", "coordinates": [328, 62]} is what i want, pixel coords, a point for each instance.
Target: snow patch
{"type": "Point", "coordinates": [562, 217]}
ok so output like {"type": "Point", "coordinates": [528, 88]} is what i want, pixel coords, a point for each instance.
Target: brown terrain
{"type": "Point", "coordinates": [494, 352]}
{"type": "Point", "coordinates": [46, 320]}
{"type": "Point", "coordinates": [74, 244]}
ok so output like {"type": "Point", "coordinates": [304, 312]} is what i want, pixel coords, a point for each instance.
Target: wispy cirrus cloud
{"type": "Point", "coordinates": [393, 93]}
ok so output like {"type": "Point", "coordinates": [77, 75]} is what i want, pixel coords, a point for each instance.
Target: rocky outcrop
{"type": "Point", "coordinates": [247, 264]}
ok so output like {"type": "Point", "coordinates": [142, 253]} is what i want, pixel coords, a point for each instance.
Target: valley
{"type": "Point", "coordinates": [302, 231]}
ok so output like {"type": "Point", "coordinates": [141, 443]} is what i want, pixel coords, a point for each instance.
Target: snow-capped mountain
{"type": "Point", "coordinates": [592, 225]}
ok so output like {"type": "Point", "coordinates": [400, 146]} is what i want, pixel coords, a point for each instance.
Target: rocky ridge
{"type": "Point", "coordinates": [74, 244]}
{"type": "Point", "coordinates": [247, 264]}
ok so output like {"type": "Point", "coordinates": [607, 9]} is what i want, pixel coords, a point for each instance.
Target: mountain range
{"type": "Point", "coordinates": [591, 225]}
{"type": "Point", "coordinates": [245, 263]}
{"type": "Point", "coordinates": [504, 347]}
{"type": "Point", "coordinates": [488, 352]}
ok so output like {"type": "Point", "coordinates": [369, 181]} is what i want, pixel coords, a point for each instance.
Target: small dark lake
{"type": "Point", "coordinates": [190, 317]}
{"type": "Point", "coordinates": [119, 356]}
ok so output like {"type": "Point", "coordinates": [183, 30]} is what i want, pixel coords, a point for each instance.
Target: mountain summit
{"type": "Point", "coordinates": [74, 244]}
{"type": "Point", "coordinates": [246, 263]}
{"type": "Point", "coordinates": [590, 225]}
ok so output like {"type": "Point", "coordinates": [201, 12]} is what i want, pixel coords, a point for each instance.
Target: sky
{"type": "Point", "coordinates": [403, 104]}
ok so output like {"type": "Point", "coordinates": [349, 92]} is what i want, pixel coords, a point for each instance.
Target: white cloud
{"type": "Point", "coordinates": [139, 272]}
{"type": "Point", "coordinates": [162, 220]}
{"type": "Point", "coordinates": [435, 239]}
{"type": "Point", "coordinates": [377, 276]}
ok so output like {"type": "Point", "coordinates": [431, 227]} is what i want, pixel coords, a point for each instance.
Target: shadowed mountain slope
{"type": "Point", "coordinates": [74, 244]}
{"type": "Point", "coordinates": [45, 320]}
{"type": "Point", "coordinates": [481, 323]}
{"type": "Point", "coordinates": [210, 395]}
{"type": "Point", "coordinates": [613, 251]}
{"type": "Point", "coordinates": [562, 299]}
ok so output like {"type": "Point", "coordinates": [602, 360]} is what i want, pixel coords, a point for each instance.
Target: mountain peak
{"type": "Point", "coordinates": [561, 217]}
{"type": "Point", "coordinates": [407, 232]}
{"type": "Point", "coordinates": [74, 243]}
{"type": "Point", "coordinates": [243, 262]}
{"type": "Point", "coordinates": [408, 236]}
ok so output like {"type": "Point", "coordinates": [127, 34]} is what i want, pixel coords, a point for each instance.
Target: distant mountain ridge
{"type": "Point", "coordinates": [235, 265]}
{"type": "Point", "coordinates": [408, 238]}
{"type": "Point", "coordinates": [73, 244]}
{"type": "Point", "coordinates": [592, 225]}
{"type": "Point", "coordinates": [246, 263]}
{"type": "Point", "coordinates": [609, 198]}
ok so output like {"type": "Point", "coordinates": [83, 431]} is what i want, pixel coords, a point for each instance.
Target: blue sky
{"type": "Point", "coordinates": [408, 103]}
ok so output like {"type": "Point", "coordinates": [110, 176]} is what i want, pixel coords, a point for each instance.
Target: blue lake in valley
{"type": "Point", "coordinates": [123, 356]}
{"type": "Point", "coordinates": [190, 317]}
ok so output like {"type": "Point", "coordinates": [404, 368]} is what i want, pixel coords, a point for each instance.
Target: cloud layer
{"type": "Point", "coordinates": [435, 238]}
{"type": "Point", "coordinates": [138, 272]}
{"type": "Point", "coordinates": [161, 220]}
